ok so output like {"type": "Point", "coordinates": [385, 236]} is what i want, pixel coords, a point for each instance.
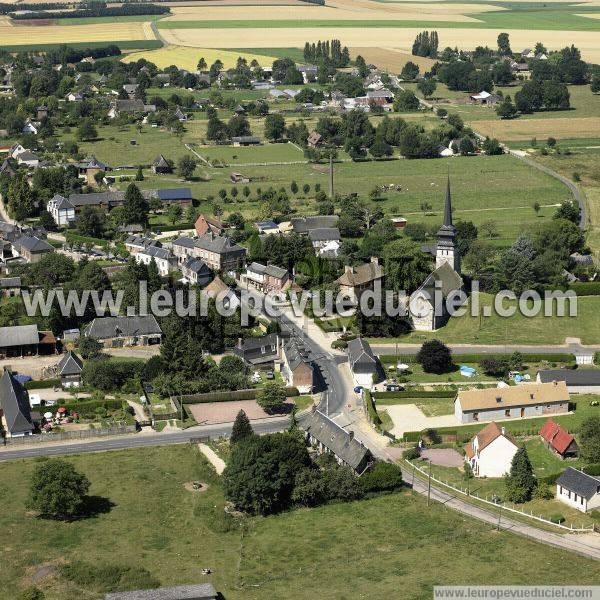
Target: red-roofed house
{"type": "Point", "coordinates": [559, 440]}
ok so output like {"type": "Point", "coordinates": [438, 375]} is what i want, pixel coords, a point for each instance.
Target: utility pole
{"type": "Point", "coordinates": [499, 514]}
{"type": "Point", "coordinates": [429, 485]}
{"type": "Point", "coordinates": [331, 174]}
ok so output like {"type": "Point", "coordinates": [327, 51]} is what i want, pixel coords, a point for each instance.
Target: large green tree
{"type": "Point", "coordinates": [272, 397]}
{"type": "Point", "coordinates": [241, 428]}
{"type": "Point", "coordinates": [406, 266]}
{"type": "Point", "coordinates": [521, 481]}
{"type": "Point", "coordinates": [589, 437]}
{"type": "Point", "coordinates": [135, 206]}
{"type": "Point", "coordinates": [435, 357]}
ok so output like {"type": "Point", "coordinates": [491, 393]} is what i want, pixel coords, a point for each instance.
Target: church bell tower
{"type": "Point", "coordinates": [446, 249]}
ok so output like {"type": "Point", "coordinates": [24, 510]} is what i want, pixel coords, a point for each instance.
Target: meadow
{"type": "Point", "coordinates": [153, 522]}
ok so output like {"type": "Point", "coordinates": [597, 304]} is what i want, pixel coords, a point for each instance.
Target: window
{"type": "Point", "coordinates": [475, 416]}
{"type": "Point", "coordinates": [507, 412]}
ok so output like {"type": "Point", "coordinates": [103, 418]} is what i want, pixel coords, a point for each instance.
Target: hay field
{"type": "Point", "coordinates": [391, 59]}
{"type": "Point", "coordinates": [56, 34]}
{"type": "Point", "coordinates": [187, 58]}
{"type": "Point", "coordinates": [525, 129]}
{"type": "Point", "coordinates": [393, 37]}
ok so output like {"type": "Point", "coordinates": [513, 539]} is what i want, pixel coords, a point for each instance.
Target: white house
{"type": "Point", "coordinates": [165, 261]}
{"type": "Point", "coordinates": [31, 127]}
{"type": "Point", "coordinates": [490, 452]}
{"type": "Point", "coordinates": [16, 150]}
{"type": "Point", "coordinates": [578, 489]}
{"type": "Point", "coordinates": [325, 240]}
{"type": "Point", "coordinates": [62, 211]}
{"type": "Point", "coordinates": [362, 363]}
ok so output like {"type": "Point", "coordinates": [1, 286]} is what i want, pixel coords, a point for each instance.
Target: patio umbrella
{"type": "Point", "coordinates": [47, 415]}
{"type": "Point", "coordinates": [62, 409]}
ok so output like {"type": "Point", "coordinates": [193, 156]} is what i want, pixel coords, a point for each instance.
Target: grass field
{"type": "Point", "coordinates": [187, 58]}
{"type": "Point", "coordinates": [156, 524]}
{"type": "Point", "coordinates": [517, 329]}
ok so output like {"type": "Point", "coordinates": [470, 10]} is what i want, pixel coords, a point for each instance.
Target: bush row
{"type": "Point", "coordinates": [371, 410]}
{"type": "Point", "coordinates": [415, 394]}
{"type": "Point", "coordinates": [227, 396]}
{"type": "Point", "coordinates": [89, 406]}
{"type": "Point", "coordinates": [179, 227]}
{"type": "Point", "coordinates": [390, 359]}
{"type": "Point", "coordinates": [44, 383]}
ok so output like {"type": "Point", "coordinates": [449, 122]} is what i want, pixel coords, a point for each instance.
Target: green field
{"type": "Point", "coordinates": [155, 523]}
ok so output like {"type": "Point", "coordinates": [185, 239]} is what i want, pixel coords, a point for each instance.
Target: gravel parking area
{"type": "Point", "coordinates": [444, 457]}
{"type": "Point", "coordinates": [212, 413]}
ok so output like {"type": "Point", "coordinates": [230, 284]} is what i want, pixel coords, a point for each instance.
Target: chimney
{"type": "Point", "coordinates": [240, 342]}
{"type": "Point", "coordinates": [351, 435]}
{"type": "Point", "coordinates": [348, 269]}
{"type": "Point", "coordinates": [375, 260]}
{"type": "Point", "coordinates": [503, 431]}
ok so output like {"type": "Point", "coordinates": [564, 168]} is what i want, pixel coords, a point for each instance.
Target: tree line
{"type": "Point", "coordinates": [97, 9]}
{"type": "Point", "coordinates": [327, 51]}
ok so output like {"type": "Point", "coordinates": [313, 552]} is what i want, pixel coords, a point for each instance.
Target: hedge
{"type": "Point", "coordinates": [593, 469]}
{"type": "Point", "coordinates": [475, 358]}
{"type": "Point", "coordinates": [179, 227]}
{"type": "Point", "coordinates": [86, 406]}
{"type": "Point", "coordinates": [415, 394]}
{"type": "Point", "coordinates": [371, 410]}
{"type": "Point", "coordinates": [85, 239]}
{"type": "Point", "coordinates": [227, 396]}
{"type": "Point", "coordinates": [45, 383]}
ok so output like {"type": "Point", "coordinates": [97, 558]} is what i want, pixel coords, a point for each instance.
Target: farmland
{"type": "Point", "coordinates": [151, 521]}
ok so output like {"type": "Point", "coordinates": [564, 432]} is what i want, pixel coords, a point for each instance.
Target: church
{"type": "Point", "coordinates": [445, 279]}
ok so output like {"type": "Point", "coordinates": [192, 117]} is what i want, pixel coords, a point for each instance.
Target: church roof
{"type": "Point", "coordinates": [447, 229]}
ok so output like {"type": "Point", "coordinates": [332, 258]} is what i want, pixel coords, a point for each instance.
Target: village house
{"type": "Point", "coordinates": [65, 210]}
{"type": "Point", "coordinates": [61, 210]}
{"type": "Point", "coordinates": [326, 241]}
{"type": "Point", "coordinates": [115, 332]}
{"type": "Point", "coordinates": [118, 107]}
{"type": "Point", "coordinates": [165, 261]}
{"type": "Point", "coordinates": [490, 452]}
{"type": "Point", "coordinates": [7, 168]}
{"type": "Point", "coordinates": [356, 280]}
{"type": "Point", "coordinates": [218, 289]}
{"type": "Point", "coordinates": [181, 196]}
{"type": "Point", "coordinates": [196, 272]}
{"type": "Point", "coordinates": [10, 286]}
{"type": "Point", "coordinates": [314, 139]}
{"type": "Point", "coordinates": [303, 225]}
{"type": "Point", "coordinates": [220, 253]}
{"type": "Point", "coordinates": [161, 166]}
{"type": "Point", "coordinates": [329, 438]}
{"type": "Point", "coordinates": [309, 73]}
{"type": "Point", "coordinates": [559, 440]}
{"type": "Point", "coordinates": [527, 400]}
{"type": "Point", "coordinates": [31, 248]}
{"type": "Point", "coordinates": [90, 168]}
{"type": "Point", "coordinates": [31, 127]}
{"type": "Point", "coordinates": [266, 227]}
{"type": "Point", "coordinates": [578, 381]}
{"type": "Point", "coordinates": [139, 243]}
{"type": "Point", "coordinates": [296, 367]}
{"type": "Point", "coordinates": [578, 490]}
{"type": "Point", "coordinates": [263, 351]}
{"type": "Point", "coordinates": [29, 159]}
{"type": "Point", "coordinates": [69, 369]}
{"type": "Point", "coordinates": [362, 362]}
{"type": "Point", "coordinates": [15, 409]}
{"type": "Point", "coordinates": [131, 89]}
{"type": "Point", "coordinates": [206, 224]}
{"type": "Point", "coordinates": [266, 278]}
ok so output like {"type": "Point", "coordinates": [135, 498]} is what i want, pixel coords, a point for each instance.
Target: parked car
{"type": "Point", "coordinates": [358, 389]}
{"type": "Point", "coordinates": [270, 375]}
{"type": "Point", "coordinates": [393, 387]}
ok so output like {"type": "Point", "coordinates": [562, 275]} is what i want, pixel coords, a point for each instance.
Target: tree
{"type": "Point", "coordinates": [489, 228]}
{"type": "Point", "coordinates": [241, 428]}
{"type": "Point", "coordinates": [406, 101]}
{"type": "Point", "coordinates": [589, 438]}
{"type": "Point", "coordinates": [201, 66]}
{"type": "Point", "coordinates": [595, 84]}
{"type": "Point", "coordinates": [520, 482]}
{"type": "Point", "coordinates": [186, 166]}
{"type": "Point", "coordinates": [139, 176]}
{"type": "Point", "coordinates": [409, 71]}
{"type": "Point", "coordinates": [259, 477]}
{"type": "Point", "coordinates": [506, 109]}
{"type": "Point", "coordinates": [57, 490]}
{"type": "Point", "coordinates": [504, 44]}
{"type": "Point", "coordinates": [435, 357]}
{"type": "Point", "coordinates": [174, 213]}
{"type": "Point", "coordinates": [492, 147]}
{"type": "Point", "coordinates": [86, 130]}
{"type": "Point", "coordinates": [466, 146]}
{"type": "Point", "coordinates": [405, 265]}
{"type": "Point", "coordinates": [274, 126]}
{"type": "Point", "coordinates": [135, 206]}
{"type": "Point", "coordinates": [568, 210]}
{"type": "Point", "coordinates": [90, 222]}
{"type": "Point", "coordinates": [294, 187]}
{"type": "Point", "coordinates": [238, 125]}
{"type": "Point", "coordinates": [380, 148]}
{"type": "Point", "coordinates": [427, 87]}
{"type": "Point", "coordinates": [89, 347]}
{"type": "Point", "coordinates": [20, 199]}
{"type": "Point", "coordinates": [272, 397]}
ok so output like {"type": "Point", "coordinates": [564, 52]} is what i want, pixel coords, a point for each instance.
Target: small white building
{"type": "Point", "coordinates": [62, 211]}
{"type": "Point", "coordinates": [362, 362]}
{"type": "Point", "coordinates": [165, 261]}
{"type": "Point", "coordinates": [490, 452]}
{"type": "Point", "coordinates": [578, 489]}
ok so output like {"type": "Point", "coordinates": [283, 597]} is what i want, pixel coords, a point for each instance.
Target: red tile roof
{"type": "Point", "coordinates": [556, 436]}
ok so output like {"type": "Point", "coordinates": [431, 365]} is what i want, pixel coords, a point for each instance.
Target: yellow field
{"type": "Point", "coordinates": [55, 34]}
{"type": "Point", "coordinates": [398, 38]}
{"type": "Point", "coordinates": [187, 58]}
{"type": "Point", "coordinates": [525, 129]}
{"type": "Point", "coordinates": [391, 59]}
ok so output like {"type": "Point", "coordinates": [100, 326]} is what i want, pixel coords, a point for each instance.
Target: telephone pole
{"type": "Point", "coordinates": [331, 174]}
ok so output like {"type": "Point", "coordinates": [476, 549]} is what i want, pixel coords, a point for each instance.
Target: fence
{"type": "Point", "coordinates": [68, 435]}
{"type": "Point", "coordinates": [501, 507]}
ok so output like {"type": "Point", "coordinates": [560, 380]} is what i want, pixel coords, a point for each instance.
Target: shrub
{"type": "Point", "coordinates": [593, 469]}
{"type": "Point", "coordinates": [371, 410]}
{"type": "Point", "coordinates": [31, 593]}
{"type": "Point", "coordinates": [383, 477]}
{"type": "Point", "coordinates": [290, 392]}
{"type": "Point", "coordinates": [411, 453]}
{"type": "Point", "coordinates": [108, 375]}
{"type": "Point", "coordinates": [543, 492]}
{"type": "Point", "coordinates": [44, 383]}
{"type": "Point", "coordinates": [557, 518]}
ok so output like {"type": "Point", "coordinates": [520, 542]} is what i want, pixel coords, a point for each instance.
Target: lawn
{"type": "Point", "coordinates": [155, 523]}
{"type": "Point", "coordinates": [517, 329]}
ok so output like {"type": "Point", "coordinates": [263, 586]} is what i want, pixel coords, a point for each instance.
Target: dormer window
{"type": "Point", "coordinates": [498, 398]}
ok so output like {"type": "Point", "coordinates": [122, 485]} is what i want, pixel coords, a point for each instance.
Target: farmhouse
{"type": "Point", "coordinates": [206, 224]}
{"type": "Point", "coordinates": [125, 331]}
{"type": "Point", "coordinates": [14, 407]}
{"type": "Point", "coordinates": [218, 252]}
{"type": "Point", "coordinates": [262, 350]}
{"type": "Point", "coordinates": [490, 452]}
{"type": "Point", "coordinates": [182, 196]}
{"type": "Point", "coordinates": [297, 368]}
{"type": "Point", "coordinates": [69, 369]}
{"type": "Point", "coordinates": [578, 381]}
{"type": "Point", "coordinates": [129, 106]}
{"type": "Point", "coordinates": [356, 280]}
{"type": "Point", "coordinates": [528, 400]}
{"type": "Point", "coordinates": [558, 439]}
{"type": "Point", "coordinates": [165, 261]}
{"type": "Point", "coordinates": [362, 362]}
{"type": "Point", "coordinates": [578, 489]}
{"type": "Point", "coordinates": [196, 272]}
{"type": "Point", "coordinates": [325, 241]}
{"type": "Point", "coordinates": [31, 248]}
{"type": "Point", "coordinates": [329, 438]}
{"type": "Point", "coordinates": [266, 278]}
{"type": "Point", "coordinates": [161, 165]}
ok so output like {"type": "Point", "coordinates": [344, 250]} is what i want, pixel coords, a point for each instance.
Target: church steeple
{"type": "Point", "coordinates": [446, 251]}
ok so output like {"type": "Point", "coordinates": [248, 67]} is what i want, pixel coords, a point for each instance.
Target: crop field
{"type": "Point", "coordinates": [187, 58]}
{"type": "Point", "coordinates": [151, 521]}
{"type": "Point", "coordinates": [27, 34]}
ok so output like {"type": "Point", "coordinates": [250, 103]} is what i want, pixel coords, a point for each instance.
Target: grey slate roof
{"type": "Point", "coordinates": [305, 224]}
{"type": "Point", "coordinates": [571, 376]}
{"type": "Point", "coordinates": [271, 270]}
{"type": "Point", "coordinates": [579, 482]}
{"type": "Point", "coordinates": [10, 282]}
{"type": "Point", "coordinates": [324, 234]}
{"type": "Point", "coordinates": [336, 439]}
{"type": "Point", "coordinates": [33, 244]}
{"type": "Point", "coordinates": [70, 364]}
{"type": "Point", "coordinates": [19, 335]}
{"type": "Point", "coordinates": [97, 198]}
{"type": "Point", "coordinates": [296, 353]}
{"type": "Point", "coordinates": [216, 243]}
{"type": "Point", "coordinates": [14, 400]}
{"type": "Point", "coordinates": [447, 276]}
{"type": "Point", "coordinates": [105, 328]}
{"type": "Point", "coordinates": [174, 194]}
{"type": "Point", "coordinates": [157, 252]}
{"type": "Point", "coordinates": [161, 161]}
{"type": "Point", "coordinates": [62, 203]}
{"type": "Point", "coordinates": [197, 266]}
{"type": "Point", "coordinates": [200, 591]}
{"type": "Point", "coordinates": [361, 357]}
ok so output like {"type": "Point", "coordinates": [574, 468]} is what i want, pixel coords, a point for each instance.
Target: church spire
{"type": "Point", "coordinates": [446, 250]}
{"type": "Point", "coordinates": [448, 205]}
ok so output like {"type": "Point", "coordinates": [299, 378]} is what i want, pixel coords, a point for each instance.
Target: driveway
{"type": "Point", "coordinates": [444, 457]}
{"type": "Point", "coordinates": [407, 417]}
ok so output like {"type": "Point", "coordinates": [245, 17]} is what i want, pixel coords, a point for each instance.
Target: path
{"type": "Point", "coordinates": [212, 457]}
